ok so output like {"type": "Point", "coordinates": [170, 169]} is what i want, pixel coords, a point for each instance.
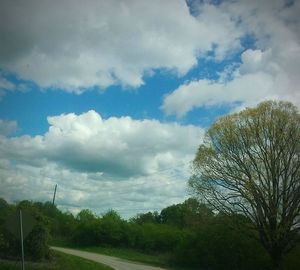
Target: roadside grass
{"type": "Point", "coordinates": [123, 253]}
{"type": "Point", "coordinates": [131, 255]}
{"type": "Point", "coordinates": [292, 261]}
{"type": "Point", "coordinates": [59, 261]}
{"type": "Point", "coordinates": [159, 260]}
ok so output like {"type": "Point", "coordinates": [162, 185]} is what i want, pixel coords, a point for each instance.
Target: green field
{"type": "Point", "coordinates": [60, 261]}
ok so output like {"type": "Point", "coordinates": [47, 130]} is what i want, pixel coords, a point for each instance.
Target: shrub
{"type": "Point", "coordinates": [223, 246]}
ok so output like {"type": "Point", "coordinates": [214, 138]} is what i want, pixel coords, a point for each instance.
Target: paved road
{"type": "Point", "coordinates": [116, 263]}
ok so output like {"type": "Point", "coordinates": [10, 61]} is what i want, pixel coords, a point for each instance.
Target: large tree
{"type": "Point", "coordinates": [249, 164]}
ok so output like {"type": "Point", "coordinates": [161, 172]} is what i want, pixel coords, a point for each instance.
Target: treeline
{"type": "Point", "coordinates": [188, 234]}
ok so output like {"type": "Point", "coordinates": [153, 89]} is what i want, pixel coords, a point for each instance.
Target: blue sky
{"type": "Point", "coordinates": [110, 99]}
{"type": "Point", "coordinates": [31, 107]}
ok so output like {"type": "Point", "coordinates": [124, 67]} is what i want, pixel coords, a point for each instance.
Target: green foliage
{"type": "Point", "coordinates": [173, 215]}
{"type": "Point", "coordinates": [249, 164]}
{"type": "Point", "coordinates": [198, 239]}
{"type": "Point", "coordinates": [35, 244]}
{"type": "Point", "coordinates": [85, 232]}
{"type": "Point", "coordinates": [190, 233]}
{"type": "Point", "coordinates": [157, 237]}
{"type": "Point", "coordinates": [59, 261]}
{"type": "Point", "coordinates": [189, 214]}
{"type": "Point", "coordinates": [60, 224]}
{"type": "Point", "coordinates": [147, 218]}
{"type": "Point", "coordinates": [111, 229]}
{"type": "Point", "coordinates": [223, 244]}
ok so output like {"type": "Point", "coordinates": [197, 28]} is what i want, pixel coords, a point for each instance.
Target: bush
{"type": "Point", "coordinates": [157, 237]}
{"type": "Point", "coordinates": [85, 234]}
{"type": "Point", "coordinates": [223, 246]}
{"type": "Point", "coordinates": [110, 232]}
{"type": "Point", "coordinates": [35, 244]}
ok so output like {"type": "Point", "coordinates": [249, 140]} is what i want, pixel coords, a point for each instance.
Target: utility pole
{"type": "Point", "coordinates": [54, 194]}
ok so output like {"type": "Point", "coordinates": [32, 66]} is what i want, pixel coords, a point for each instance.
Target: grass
{"type": "Point", "coordinates": [159, 260]}
{"type": "Point", "coordinates": [123, 253]}
{"type": "Point", "coordinates": [130, 255]}
{"type": "Point", "coordinates": [60, 261]}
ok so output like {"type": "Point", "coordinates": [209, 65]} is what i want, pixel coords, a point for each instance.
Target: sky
{"type": "Point", "coordinates": [111, 99]}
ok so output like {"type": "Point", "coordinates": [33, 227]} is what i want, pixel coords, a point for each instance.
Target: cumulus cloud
{"type": "Point", "coordinates": [116, 146]}
{"type": "Point", "coordinates": [74, 45]}
{"type": "Point", "coordinates": [100, 163]}
{"type": "Point", "coordinates": [270, 71]}
{"type": "Point", "coordinates": [247, 89]}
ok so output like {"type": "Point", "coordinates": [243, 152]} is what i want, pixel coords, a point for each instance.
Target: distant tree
{"type": "Point", "coordinates": [85, 232]}
{"type": "Point", "coordinates": [188, 214]}
{"type": "Point", "coordinates": [111, 229]}
{"type": "Point", "coordinates": [195, 214]}
{"type": "Point", "coordinates": [147, 218]}
{"type": "Point", "coordinates": [85, 215]}
{"type": "Point", "coordinates": [173, 215]}
{"type": "Point", "coordinates": [112, 214]}
{"type": "Point", "coordinates": [249, 163]}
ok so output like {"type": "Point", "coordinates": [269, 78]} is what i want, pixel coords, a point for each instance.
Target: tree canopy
{"type": "Point", "coordinates": [249, 163]}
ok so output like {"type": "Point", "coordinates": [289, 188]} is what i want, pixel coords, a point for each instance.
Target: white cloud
{"type": "Point", "coordinates": [120, 146]}
{"type": "Point", "coordinates": [100, 163]}
{"type": "Point", "coordinates": [75, 45]}
{"type": "Point", "coordinates": [5, 86]}
{"type": "Point", "coordinates": [268, 72]}
{"type": "Point", "coordinates": [248, 89]}
{"type": "Point", "coordinates": [7, 127]}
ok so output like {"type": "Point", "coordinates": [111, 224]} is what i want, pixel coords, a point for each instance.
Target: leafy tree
{"type": "Point", "coordinates": [111, 229]}
{"type": "Point", "coordinates": [85, 232]}
{"type": "Point", "coordinates": [195, 214]}
{"type": "Point", "coordinates": [249, 163]}
{"type": "Point", "coordinates": [189, 214]}
{"type": "Point", "coordinates": [85, 215]}
{"type": "Point", "coordinates": [66, 225]}
{"type": "Point", "coordinates": [147, 218]}
{"type": "Point", "coordinates": [173, 215]}
{"type": "Point", "coordinates": [158, 237]}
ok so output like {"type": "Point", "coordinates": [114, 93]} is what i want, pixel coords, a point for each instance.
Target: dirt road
{"type": "Point", "coordinates": [116, 263]}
